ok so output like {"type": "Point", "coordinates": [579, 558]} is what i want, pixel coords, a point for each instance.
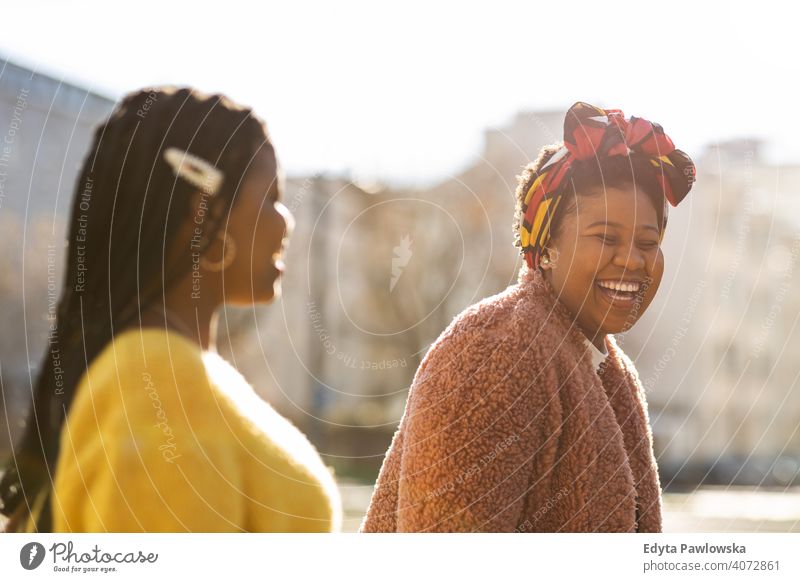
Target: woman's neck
{"type": "Point", "coordinates": [196, 327]}
{"type": "Point", "coordinates": [194, 318]}
{"type": "Point", "coordinates": [598, 340]}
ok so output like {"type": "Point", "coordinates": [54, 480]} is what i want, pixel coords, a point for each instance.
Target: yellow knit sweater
{"type": "Point", "coordinates": [163, 437]}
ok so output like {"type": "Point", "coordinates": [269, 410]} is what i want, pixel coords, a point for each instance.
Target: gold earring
{"type": "Point", "coordinates": [549, 259]}
{"type": "Point", "coordinates": [229, 254]}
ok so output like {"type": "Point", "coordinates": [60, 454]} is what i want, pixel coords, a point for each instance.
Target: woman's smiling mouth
{"type": "Point", "coordinates": [621, 294]}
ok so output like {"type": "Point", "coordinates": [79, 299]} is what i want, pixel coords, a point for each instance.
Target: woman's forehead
{"type": "Point", "coordinates": [621, 207]}
{"type": "Point", "coordinates": [264, 163]}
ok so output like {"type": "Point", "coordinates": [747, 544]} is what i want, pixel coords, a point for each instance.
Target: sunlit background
{"type": "Point", "coordinates": [402, 128]}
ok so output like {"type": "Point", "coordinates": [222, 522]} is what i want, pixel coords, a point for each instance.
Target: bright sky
{"type": "Point", "coordinates": [403, 91]}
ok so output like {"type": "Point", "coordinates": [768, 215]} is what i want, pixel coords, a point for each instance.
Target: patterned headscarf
{"type": "Point", "coordinates": [591, 132]}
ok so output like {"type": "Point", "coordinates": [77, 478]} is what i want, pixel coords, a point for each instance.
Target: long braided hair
{"type": "Point", "coordinates": [127, 210]}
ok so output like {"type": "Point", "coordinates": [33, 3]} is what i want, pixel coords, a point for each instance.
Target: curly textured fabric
{"type": "Point", "coordinates": [162, 437]}
{"type": "Point", "coordinates": [504, 433]}
{"type": "Point", "coordinates": [591, 132]}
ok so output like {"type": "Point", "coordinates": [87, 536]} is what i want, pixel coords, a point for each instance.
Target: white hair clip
{"type": "Point", "coordinates": [194, 170]}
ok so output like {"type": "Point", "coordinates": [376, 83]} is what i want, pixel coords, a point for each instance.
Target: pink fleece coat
{"type": "Point", "coordinates": [508, 427]}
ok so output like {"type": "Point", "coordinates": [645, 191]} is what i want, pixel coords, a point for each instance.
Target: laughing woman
{"type": "Point", "coordinates": [137, 424]}
{"type": "Point", "coordinates": [525, 415]}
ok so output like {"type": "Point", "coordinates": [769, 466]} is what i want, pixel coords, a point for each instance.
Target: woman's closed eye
{"type": "Point", "coordinates": [611, 240]}
{"type": "Point", "coordinates": [606, 238]}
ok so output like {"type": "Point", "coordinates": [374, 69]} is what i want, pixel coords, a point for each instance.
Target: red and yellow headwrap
{"type": "Point", "coordinates": [591, 132]}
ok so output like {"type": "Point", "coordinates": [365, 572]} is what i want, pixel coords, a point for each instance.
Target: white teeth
{"type": "Point", "coordinates": [617, 286]}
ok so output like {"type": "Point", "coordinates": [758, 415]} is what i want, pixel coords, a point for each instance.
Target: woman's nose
{"type": "Point", "coordinates": [630, 258]}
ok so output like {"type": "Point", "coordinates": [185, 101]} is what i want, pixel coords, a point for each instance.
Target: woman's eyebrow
{"type": "Point", "coordinates": [604, 223]}
{"type": "Point", "coordinates": [618, 225]}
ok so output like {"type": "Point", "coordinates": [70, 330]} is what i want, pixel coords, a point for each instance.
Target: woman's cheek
{"type": "Point", "coordinates": [656, 272]}
{"type": "Point", "coordinates": [658, 268]}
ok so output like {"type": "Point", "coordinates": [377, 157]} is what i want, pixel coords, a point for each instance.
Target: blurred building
{"type": "Point", "coordinates": [374, 275]}
{"type": "Point", "coordinates": [45, 131]}
{"type": "Point", "coordinates": [716, 349]}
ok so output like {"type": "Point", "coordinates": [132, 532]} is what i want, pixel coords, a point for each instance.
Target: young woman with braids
{"type": "Point", "coordinates": [177, 210]}
{"type": "Point", "coordinates": [525, 415]}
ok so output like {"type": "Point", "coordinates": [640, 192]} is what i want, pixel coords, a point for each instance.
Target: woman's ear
{"type": "Point", "coordinates": [549, 258]}
{"type": "Point", "coordinates": [205, 210]}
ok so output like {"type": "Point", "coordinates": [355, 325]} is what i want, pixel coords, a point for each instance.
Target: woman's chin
{"type": "Point", "coordinates": [606, 324]}
{"type": "Point", "coordinates": [265, 294]}
{"type": "Point", "coordinates": [611, 328]}
{"type": "Point", "coordinates": [268, 294]}
{"type": "Point", "coordinates": [275, 294]}
{"type": "Point", "coordinates": [271, 292]}
{"type": "Point", "coordinates": [618, 321]}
